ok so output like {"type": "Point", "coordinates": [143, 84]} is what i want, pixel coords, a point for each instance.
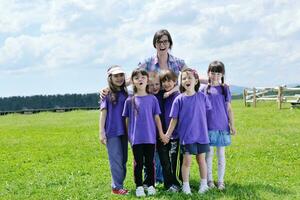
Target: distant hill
{"type": "Point", "coordinates": [18, 103]}
{"type": "Point", "coordinates": [294, 85]}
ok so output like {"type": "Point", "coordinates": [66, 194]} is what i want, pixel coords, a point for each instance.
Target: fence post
{"type": "Point", "coordinates": [245, 97]}
{"type": "Point", "coordinates": [280, 97]}
{"type": "Point", "coordinates": [254, 97]}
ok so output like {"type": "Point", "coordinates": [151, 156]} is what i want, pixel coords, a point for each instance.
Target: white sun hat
{"type": "Point", "coordinates": [115, 69]}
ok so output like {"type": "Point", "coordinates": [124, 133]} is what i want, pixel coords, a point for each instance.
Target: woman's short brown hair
{"type": "Point", "coordinates": [158, 35]}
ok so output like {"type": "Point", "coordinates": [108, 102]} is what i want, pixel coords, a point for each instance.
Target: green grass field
{"type": "Point", "coordinates": [58, 156]}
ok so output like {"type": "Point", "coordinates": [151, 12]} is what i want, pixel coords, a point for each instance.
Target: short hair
{"type": "Point", "coordinates": [158, 35]}
{"type": "Point", "coordinates": [168, 75]}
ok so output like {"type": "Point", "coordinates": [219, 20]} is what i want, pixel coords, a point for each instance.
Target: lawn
{"type": "Point", "coordinates": [58, 156]}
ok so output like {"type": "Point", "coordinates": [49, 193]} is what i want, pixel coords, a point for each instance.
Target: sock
{"type": "Point", "coordinates": [186, 184]}
{"type": "Point", "coordinates": [204, 181]}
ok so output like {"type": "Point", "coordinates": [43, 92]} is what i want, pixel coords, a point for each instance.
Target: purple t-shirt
{"type": "Point", "coordinates": [217, 118]}
{"type": "Point", "coordinates": [160, 98]}
{"type": "Point", "coordinates": [141, 124]}
{"type": "Point", "coordinates": [191, 114]}
{"type": "Point", "coordinates": [167, 109]}
{"type": "Point", "coordinates": [114, 123]}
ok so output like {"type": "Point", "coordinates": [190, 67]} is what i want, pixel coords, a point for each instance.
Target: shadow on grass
{"type": "Point", "coordinates": [232, 191]}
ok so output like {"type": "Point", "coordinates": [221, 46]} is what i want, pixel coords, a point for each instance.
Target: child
{"type": "Point", "coordinates": [220, 120]}
{"type": "Point", "coordinates": [142, 117]}
{"type": "Point", "coordinates": [188, 112]}
{"type": "Point", "coordinates": [155, 89]}
{"type": "Point", "coordinates": [169, 152]}
{"type": "Point", "coordinates": [112, 128]}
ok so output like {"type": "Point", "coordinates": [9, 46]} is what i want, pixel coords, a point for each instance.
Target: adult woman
{"type": "Point", "coordinates": [162, 42]}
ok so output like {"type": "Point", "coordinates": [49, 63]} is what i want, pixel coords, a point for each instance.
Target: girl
{"type": "Point", "coordinates": [112, 127]}
{"type": "Point", "coordinates": [169, 152]}
{"type": "Point", "coordinates": [142, 117]}
{"type": "Point", "coordinates": [188, 112]}
{"type": "Point", "coordinates": [220, 120]}
{"type": "Point", "coordinates": [155, 89]}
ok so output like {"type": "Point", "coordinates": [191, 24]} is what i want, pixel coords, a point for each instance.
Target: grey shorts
{"type": "Point", "coordinates": [194, 149]}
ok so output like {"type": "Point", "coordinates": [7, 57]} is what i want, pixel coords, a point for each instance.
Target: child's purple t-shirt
{"type": "Point", "coordinates": [141, 125]}
{"type": "Point", "coordinates": [217, 117]}
{"type": "Point", "coordinates": [191, 114]}
{"type": "Point", "coordinates": [114, 123]}
{"type": "Point", "coordinates": [167, 109]}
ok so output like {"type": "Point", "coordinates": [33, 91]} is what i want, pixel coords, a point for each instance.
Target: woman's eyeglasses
{"type": "Point", "coordinates": [216, 73]}
{"type": "Point", "coordinates": [165, 42]}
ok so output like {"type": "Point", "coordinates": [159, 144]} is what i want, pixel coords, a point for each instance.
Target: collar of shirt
{"type": "Point", "coordinates": [171, 59]}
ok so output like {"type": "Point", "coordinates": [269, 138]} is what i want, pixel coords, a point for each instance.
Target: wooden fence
{"type": "Point", "coordinates": [278, 94]}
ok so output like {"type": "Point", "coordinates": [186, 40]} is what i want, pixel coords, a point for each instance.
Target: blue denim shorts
{"type": "Point", "coordinates": [219, 138]}
{"type": "Point", "coordinates": [194, 149]}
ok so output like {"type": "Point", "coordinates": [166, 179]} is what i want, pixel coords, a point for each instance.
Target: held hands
{"type": "Point", "coordinates": [165, 138]}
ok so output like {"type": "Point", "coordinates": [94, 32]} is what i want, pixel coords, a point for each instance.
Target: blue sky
{"type": "Point", "coordinates": [65, 46]}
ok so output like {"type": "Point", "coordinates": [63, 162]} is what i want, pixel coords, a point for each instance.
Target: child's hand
{"type": "Point", "coordinates": [164, 139]}
{"type": "Point", "coordinates": [103, 139]}
{"type": "Point", "coordinates": [233, 130]}
{"type": "Point", "coordinates": [166, 95]}
{"type": "Point", "coordinates": [103, 93]}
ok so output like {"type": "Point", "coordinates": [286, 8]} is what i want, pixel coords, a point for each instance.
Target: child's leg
{"type": "Point", "coordinates": [209, 161]}
{"type": "Point", "coordinates": [202, 165]}
{"type": "Point", "coordinates": [186, 164]}
{"type": "Point", "coordinates": [138, 152]}
{"type": "Point", "coordinates": [115, 154]}
{"type": "Point", "coordinates": [221, 163]}
{"type": "Point", "coordinates": [163, 151]}
{"type": "Point", "coordinates": [174, 148]}
{"type": "Point", "coordinates": [203, 173]}
{"type": "Point", "coordinates": [158, 169]}
{"type": "Point", "coordinates": [124, 141]}
{"type": "Point", "coordinates": [148, 154]}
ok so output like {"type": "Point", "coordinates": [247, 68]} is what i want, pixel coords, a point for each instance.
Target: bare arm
{"type": "Point", "coordinates": [159, 126]}
{"type": "Point", "coordinates": [102, 120]}
{"type": "Point", "coordinates": [103, 93]}
{"type": "Point", "coordinates": [126, 124]}
{"type": "Point", "coordinates": [171, 127]}
{"type": "Point", "coordinates": [175, 89]}
{"type": "Point", "coordinates": [128, 82]}
{"type": "Point", "coordinates": [231, 119]}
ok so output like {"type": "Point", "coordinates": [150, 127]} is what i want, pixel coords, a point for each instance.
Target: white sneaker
{"type": "Point", "coordinates": [151, 190]}
{"type": "Point", "coordinates": [186, 189]}
{"type": "Point", "coordinates": [221, 186]}
{"type": "Point", "coordinates": [139, 192]}
{"type": "Point", "coordinates": [145, 187]}
{"type": "Point", "coordinates": [211, 184]}
{"type": "Point", "coordinates": [173, 189]}
{"type": "Point", "coordinates": [203, 189]}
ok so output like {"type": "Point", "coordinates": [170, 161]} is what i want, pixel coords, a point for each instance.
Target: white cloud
{"type": "Point", "coordinates": [249, 36]}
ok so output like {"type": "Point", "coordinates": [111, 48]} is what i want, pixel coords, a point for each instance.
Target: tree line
{"type": "Point", "coordinates": [18, 103]}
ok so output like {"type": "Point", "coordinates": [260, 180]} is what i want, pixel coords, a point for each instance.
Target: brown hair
{"type": "Point", "coordinates": [194, 72]}
{"type": "Point", "coordinates": [158, 35]}
{"type": "Point", "coordinates": [218, 67]}
{"type": "Point", "coordinates": [113, 96]}
{"type": "Point", "coordinates": [136, 72]}
{"type": "Point", "coordinates": [166, 75]}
